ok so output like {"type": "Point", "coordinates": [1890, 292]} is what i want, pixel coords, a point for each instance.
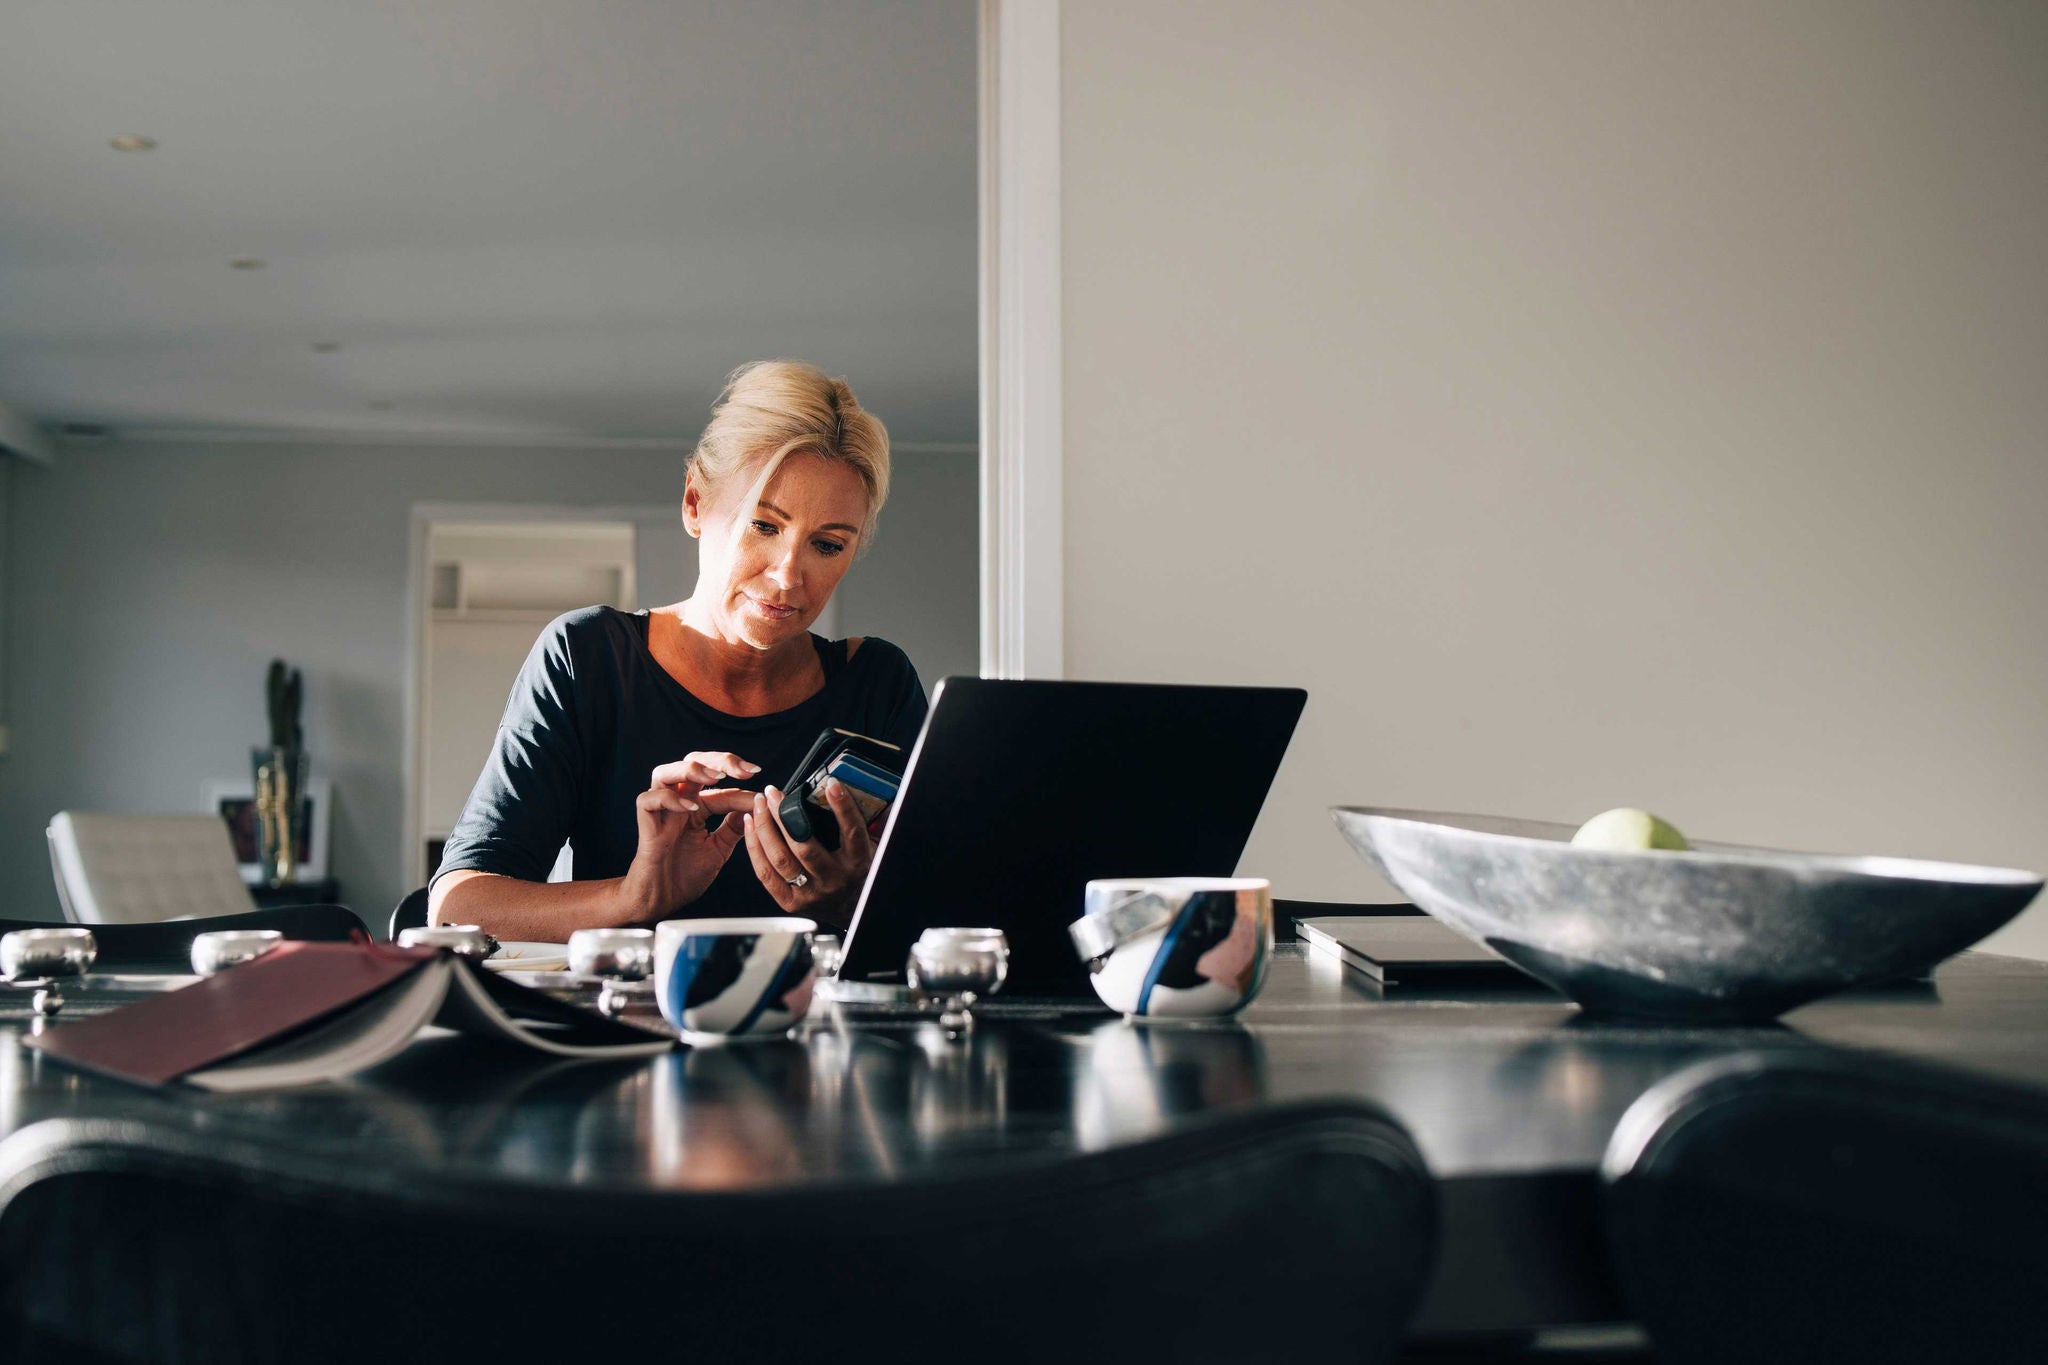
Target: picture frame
{"type": "Point", "coordinates": [234, 800]}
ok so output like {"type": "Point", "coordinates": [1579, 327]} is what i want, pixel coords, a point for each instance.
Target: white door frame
{"type": "Point", "coordinates": [1023, 603]}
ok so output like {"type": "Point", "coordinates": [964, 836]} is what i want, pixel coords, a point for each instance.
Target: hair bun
{"type": "Point", "coordinates": [770, 408]}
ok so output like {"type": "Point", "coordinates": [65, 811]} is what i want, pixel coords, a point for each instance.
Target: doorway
{"type": "Point", "coordinates": [486, 579]}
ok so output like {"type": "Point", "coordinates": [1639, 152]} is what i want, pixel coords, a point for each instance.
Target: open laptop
{"type": "Point", "coordinates": [1017, 793]}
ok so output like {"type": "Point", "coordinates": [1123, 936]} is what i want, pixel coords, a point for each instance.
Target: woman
{"type": "Point", "coordinates": [651, 741]}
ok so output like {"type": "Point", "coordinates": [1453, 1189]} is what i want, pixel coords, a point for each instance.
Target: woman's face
{"type": "Point", "coordinates": [767, 570]}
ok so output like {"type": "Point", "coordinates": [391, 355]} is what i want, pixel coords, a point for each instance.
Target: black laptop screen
{"type": "Point", "coordinates": [1020, 792]}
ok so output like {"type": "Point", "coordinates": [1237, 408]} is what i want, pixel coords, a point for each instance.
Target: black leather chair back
{"type": "Point", "coordinates": [1825, 1206]}
{"type": "Point", "coordinates": [1284, 1234]}
{"type": "Point", "coordinates": [166, 945]}
{"type": "Point", "coordinates": [410, 913]}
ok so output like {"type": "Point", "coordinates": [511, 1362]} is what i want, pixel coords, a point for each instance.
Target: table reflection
{"type": "Point", "coordinates": [1513, 1080]}
{"type": "Point", "coordinates": [727, 1117]}
{"type": "Point", "coordinates": [834, 1103]}
{"type": "Point", "coordinates": [1133, 1080]}
{"type": "Point", "coordinates": [904, 1095]}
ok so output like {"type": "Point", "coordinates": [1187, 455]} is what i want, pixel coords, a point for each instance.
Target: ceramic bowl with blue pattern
{"type": "Point", "coordinates": [1176, 947]}
{"type": "Point", "coordinates": [734, 978]}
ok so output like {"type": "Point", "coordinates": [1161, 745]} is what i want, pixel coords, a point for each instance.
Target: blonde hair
{"type": "Point", "coordinates": [778, 408]}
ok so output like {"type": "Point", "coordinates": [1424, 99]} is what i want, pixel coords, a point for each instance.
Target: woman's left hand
{"type": "Point", "coordinates": [804, 876]}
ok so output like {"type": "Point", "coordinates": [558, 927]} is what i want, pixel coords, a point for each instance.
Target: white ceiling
{"type": "Point", "coordinates": [532, 219]}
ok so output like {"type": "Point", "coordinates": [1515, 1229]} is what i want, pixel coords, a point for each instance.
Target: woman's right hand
{"type": "Point", "coordinates": [678, 855]}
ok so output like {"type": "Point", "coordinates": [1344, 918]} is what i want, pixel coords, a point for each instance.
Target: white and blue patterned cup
{"type": "Point", "coordinates": [1176, 947]}
{"type": "Point", "coordinates": [734, 978]}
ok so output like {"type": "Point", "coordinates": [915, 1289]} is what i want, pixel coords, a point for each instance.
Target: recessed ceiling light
{"type": "Point", "coordinates": [381, 405]}
{"type": "Point", "coordinates": [132, 142]}
{"type": "Point", "coordinates": [247, 263]}
{"type": "Point", "coordinates": [326, 347]}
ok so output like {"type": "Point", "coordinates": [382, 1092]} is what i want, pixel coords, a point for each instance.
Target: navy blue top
{"type": "Point", "coordinates": [592, 715]}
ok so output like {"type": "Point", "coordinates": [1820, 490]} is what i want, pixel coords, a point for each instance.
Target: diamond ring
{"type": "Point", "coordinates": [800, 880]}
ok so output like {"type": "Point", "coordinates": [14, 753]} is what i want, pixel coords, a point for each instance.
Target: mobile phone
{"type": "Point", "coordinates": [866, 766]}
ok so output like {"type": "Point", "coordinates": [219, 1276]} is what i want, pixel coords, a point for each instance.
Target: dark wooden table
{"type": "Point", "coordinates": [1510, 1093]}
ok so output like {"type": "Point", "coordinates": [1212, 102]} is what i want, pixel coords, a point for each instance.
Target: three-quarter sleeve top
{"type": "Point", "coordinates": [592, 715]}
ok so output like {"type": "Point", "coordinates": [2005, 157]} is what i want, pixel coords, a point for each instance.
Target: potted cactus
{"type": "Point", "coordinates": [280, 771]}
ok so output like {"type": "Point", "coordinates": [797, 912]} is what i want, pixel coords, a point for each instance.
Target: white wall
{"type": "Point", "coordinates": [918, 583]}
{"type": "Point", "coordinates": [6, 622]}
{"type": "Point", "coordinates": [1590, 404]}
{"type": "Point", "coordinates": [152, 583]}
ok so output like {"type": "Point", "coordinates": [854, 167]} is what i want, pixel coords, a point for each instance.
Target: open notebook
{"type": "Point", "coordinates": [308, 1012]}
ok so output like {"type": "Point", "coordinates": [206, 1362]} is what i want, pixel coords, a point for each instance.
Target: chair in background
{"type": "Point", "coordinates": [134, 869]}
{"type": "Point", "coordinates": [167, 944]}
{"type": "Point", "coordinates": [1281, 1234]}
{"type": "Point", "coordinates": [410, 913]}
{"type": "Point", "coordinates": [1833, 1206]}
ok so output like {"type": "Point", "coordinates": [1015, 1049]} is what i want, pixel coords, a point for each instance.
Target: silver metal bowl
{"type": "Point", "coordinates": [1720, 934]}
{"type": "Point", "coordinates": [970, 962]}
{"type": "Point", "coordinates": [45, 954]}
{"type": "Point", "coordinates": [464, 940]}
{"type": "Point", "coordinates": [958, 967]}
{"type": "Point", "coordinates": [220, 948]}
{"type": "Point", "coordinates": [622, 954]}
{"type": "Point", "coordinates": [41, 957]}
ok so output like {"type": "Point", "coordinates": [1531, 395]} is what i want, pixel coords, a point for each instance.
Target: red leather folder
{"type": "Point", "coordinates": [291, 986]}
{"type": "Point", "coordinates": [309, 1012]}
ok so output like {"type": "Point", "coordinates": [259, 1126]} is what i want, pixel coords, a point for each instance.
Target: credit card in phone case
{"type": "Point", "coordinates": [871, 807]}
{"type": "Point", "coordinates": [805, 813]}
{"type": "Point", "coordinates": [856, 778]}
{"type": "Point", "coordinates": [856, 773]}
{"type": "Point", "coordinates": [860, 786]}
{"type": "Point", "coordinates": [873, 765]}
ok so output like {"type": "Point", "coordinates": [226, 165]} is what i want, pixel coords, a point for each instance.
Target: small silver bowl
{"type": "Point", "coordinates": [220, 948]}
{"type": "Point", "coordinates": [464, 940]}
{"type": "Point", "coordinates": [45, 954]}
{"type": "Point", "coordinates": [620, 954]}
{"type": "Point", "coordinates": [40, 957]}
{"type": "Point", "coordinates": [959, 966]}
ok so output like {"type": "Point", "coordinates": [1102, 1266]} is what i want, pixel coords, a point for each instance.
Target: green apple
{"type": "Point", "coordinates": [1627, 830]}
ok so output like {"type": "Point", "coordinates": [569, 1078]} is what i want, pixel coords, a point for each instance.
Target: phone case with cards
{"type": "Point", "coordinates": [869, 768]}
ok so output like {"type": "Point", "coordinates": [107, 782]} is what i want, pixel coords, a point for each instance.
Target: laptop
{"type": "Point", "coordinates": [1018, 793]}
